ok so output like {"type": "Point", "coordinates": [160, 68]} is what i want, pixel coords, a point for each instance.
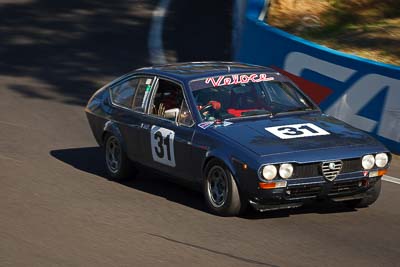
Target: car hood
{"type": "Point", "coordinates": [253, 134]}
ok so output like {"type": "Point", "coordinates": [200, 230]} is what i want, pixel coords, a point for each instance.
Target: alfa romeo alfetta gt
{"type": "Point", "coordinates": [245, 134]}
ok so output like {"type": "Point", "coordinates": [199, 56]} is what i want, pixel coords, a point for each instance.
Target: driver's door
{"type": "Point", "coordinates": [169, 129]}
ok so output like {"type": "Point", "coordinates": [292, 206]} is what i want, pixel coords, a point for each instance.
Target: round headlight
{"type": "Point", "coordinates": [286, 170]}
{"type": "Point", "coordinates": [368, 162]}
{"type": "Point", "coordinates": [269, 172]}
{"type": "Point", "coordinates": [381, 160]}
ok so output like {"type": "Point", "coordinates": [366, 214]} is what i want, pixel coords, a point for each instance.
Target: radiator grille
{"type": "Point", "coordinates": [314, 169]}
{"type": "Point", "coordinates": [351, 165]}
{"type": "Point", "coordinates": [306, 170]}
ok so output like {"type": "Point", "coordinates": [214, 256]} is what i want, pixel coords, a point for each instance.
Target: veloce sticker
{"type": "Point", "coordinates": [162, 145]}
{"type": "Point", "coordinates": [296, 130]}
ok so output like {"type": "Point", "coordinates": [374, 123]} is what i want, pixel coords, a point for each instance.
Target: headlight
{"type": "Point", "coordinates": [381, 160]}
{"type": "Point", "coordinates": [269, 172]}
{"type": "Point", "coordinates": [368, 162]}
{"type": "Point", "coordinates": [286, 170]}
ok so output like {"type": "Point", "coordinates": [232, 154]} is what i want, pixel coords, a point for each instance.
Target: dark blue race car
{"type": "Point", "coordinates": [246, 134]}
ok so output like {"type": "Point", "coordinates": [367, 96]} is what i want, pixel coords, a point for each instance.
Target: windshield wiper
{"type": "Point", "coordinates": [295, 110]}
{"type": "Point", "coordinates": [252, 114]}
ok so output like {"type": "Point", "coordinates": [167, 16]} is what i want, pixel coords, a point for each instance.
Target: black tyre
{"type": "Point", "coordinates": [221, 192]}
{"type": "Point", "coordinates": [118, 166]}
{"type": "Point", "coordinates": [372, 195]}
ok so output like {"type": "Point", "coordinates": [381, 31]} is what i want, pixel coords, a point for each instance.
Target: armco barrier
{"type": "Point", "coordinates": [361, 92]}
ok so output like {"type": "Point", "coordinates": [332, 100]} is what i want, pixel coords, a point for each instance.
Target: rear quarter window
{"type": "Point", "coordinates": [122, 94]}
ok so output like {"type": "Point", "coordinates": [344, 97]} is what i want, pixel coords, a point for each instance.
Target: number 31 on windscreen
{"type": "Point", "coordinates": [296, 130]}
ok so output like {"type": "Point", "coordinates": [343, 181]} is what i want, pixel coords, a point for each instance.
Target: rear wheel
{"type": "Point", "coordinates": [221, 192]}
{"type": "Point", "coordinates": [372, 195]}
{"type": "Point", "coordinates": [118, 166]}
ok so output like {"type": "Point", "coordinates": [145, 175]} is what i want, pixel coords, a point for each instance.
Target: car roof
{"type": "Point", "coordinates": [188, 71]}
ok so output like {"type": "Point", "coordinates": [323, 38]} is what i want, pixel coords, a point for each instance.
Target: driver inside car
{"type": "Point", "coordinates": [210, 109]}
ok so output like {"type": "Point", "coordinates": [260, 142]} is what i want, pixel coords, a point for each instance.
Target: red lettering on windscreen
{"type": "Point", "coordinates": [238, 79]}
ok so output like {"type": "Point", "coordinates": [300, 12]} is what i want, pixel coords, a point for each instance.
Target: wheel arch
{"type": "Point", "coordinates": [222, 158]}
{"type": "Point", "coordinates": [111, 128]}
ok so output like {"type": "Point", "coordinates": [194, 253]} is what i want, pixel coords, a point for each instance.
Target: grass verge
{"type": "Point", "coordinates": [366, 28]}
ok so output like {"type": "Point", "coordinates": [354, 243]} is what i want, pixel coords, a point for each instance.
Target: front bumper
{"type": "Point", "coordinates": [298, 191]}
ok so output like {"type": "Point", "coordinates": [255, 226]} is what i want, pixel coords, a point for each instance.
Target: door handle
{"type": "Point", "coordinates": [182, 140]}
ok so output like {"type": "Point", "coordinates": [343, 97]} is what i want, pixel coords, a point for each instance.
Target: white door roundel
{"type": "Point", "coordinates": [296, 130]}
{"type": "Point", "coordinates": [162, 145]}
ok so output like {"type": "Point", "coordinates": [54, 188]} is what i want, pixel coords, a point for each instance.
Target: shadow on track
{"type": "Point", "coordinates": [323, 207]}
{"type": "Point", "coordinates": [70, 46]}
{"type": "Point", "coordinates": [199, 30]}
{"type": "Point", "coordinates": [68, 49]}
{"type": "Point", "coordinates": [90, 160]}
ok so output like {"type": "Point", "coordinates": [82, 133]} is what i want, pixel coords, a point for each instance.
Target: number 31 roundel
{"type": "Point", "coordinates": [162, 145]}
{"type": "Point", "coordinates": [296, 130]}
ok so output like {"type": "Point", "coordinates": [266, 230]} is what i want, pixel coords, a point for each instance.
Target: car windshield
{"type": "Point", "coordinates": [254, 95]}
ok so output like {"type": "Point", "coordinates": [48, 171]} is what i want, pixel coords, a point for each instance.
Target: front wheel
{"type": "Point", "coordinates": [118, 166]}
{"type": "Point", "coordinates": [372, 195]}
{"type": "Point", "coordinates": [221, 192]}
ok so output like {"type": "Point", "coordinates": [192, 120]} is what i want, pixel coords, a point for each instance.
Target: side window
{"type": "Point", "coordinates": [123, 93]}
{"type": "Point", "coordinates": [142, 94]}
{"type": "Point", "coordinates": [167, 101]}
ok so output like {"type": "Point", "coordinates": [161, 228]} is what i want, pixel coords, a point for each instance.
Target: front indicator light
{"type": "Point", "coordinates": [381, 160]}
{"type": "Point", "coordinates": [269, 172]}
{"type": "Point", "coordinates": [272, 185]}
{"type": "Point", "coordinates": [368, 162]}
{"type": "Point", "coordinates": [378, 173]}
{"type": "Point", "coordinates": [286, 170]}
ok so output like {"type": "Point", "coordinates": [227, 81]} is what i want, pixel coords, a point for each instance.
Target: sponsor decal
{"type": "Point", "coordinates": [222, 123]}
{"type": "Point", "coordinates": [296, 130]}
{"type": "Point", "coordinates": [205, 124]}
{"type": "Point", "coordinates": [238, 79]}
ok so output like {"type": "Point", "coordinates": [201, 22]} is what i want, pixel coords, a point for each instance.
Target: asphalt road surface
{"type": "Point", "coordinates": [58, 208]}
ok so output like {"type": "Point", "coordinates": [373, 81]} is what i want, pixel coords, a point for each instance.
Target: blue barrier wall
{"type": "Point", "coordinates": [361, 92]}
